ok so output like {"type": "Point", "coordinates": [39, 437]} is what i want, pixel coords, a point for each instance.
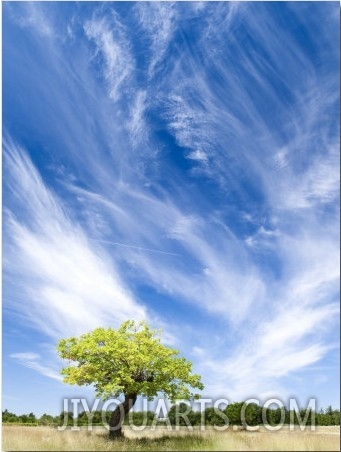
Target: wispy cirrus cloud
{"type": "Point", "coordinates": [295, 327]}
{"type": "Point", "coordinates": [33, 361]}
{"type": "Point", "coordinates": [64, 277]}
{"type": "Point", "coordinates": [215, 276]}
{"type": "Point", "coordinates": [158, 21]}
{"type": "Point", "coordinates": [281, 343]}
{"type": "Point", "coordinates": [35, 16]}
{"type": "Point", "coordinates": [113, 47]}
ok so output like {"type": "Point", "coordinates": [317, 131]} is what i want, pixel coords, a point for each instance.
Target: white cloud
{"type": "Point", "coordinates": [158, 20]}
{"type": "Point", "coordinates": [319, 184]}
{"type": "Point", "coordinates": [287, 335]}
{"type": "Point", "coordinates": [33, 15]}
{"type": "Point", "coordinates": [113, 45]}
{"type": "Point", "coordinates": [33, 361]}
{"type": "Point", "coordinates": [198, 351]}
{"type": "Point", "coordinates": [198, 155]}
{"type": "Point", "coordinates": [136, 125]}
{"type": "Point", "coordinates": [189, 123]}
{"type": "Point", "coordinates": [170, 254]}
{"type": "Point", "coordinates": [67, 284]}
{"type": "Point", "coordinates": [216, 290]}
{"type": "Point", "coordinates": [28, 356]}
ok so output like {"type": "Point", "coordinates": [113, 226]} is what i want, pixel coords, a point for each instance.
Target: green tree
{"type": "Point", "coordinates": [84, 418]}
{"type": "Point", "coordinates": [253, 414]}
{"type": "Point", "coordinates": [32, 418]}
{"type": "Point", "coordinates": [233, 412]}
{"type": "Point", "coordinates": [329, 410]}
{"type": "Point", "coordinates": [65, 414]}
{"type": "Point", "coordinates": [139, 418]}
{"type": "Point", "coordinates": [46, 419]}
{"type": "Point", "coordinates": [128, 362]}
{"type": "Point", "coordinates": [214, 416]}
{"type": "Point", "coordinates": [24, 419]}
{"type": "Point", "coordinates": [274, 416]}
{"type": "Point", "coordinates": [97, 417]}
{"type": "Point", "coordinates": [179, 414]}
{"type": "Point", "coordinates": [194, 417]}
{"type": "Point", "coordinates": [9, 417]}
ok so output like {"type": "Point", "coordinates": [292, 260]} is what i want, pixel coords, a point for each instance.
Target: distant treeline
{"type": "Point", "coordinates": [252, 414]}
{"type": "Point", "coordinates": [234, 414]}
{"type": "Point", "coordinates": [84, 418]}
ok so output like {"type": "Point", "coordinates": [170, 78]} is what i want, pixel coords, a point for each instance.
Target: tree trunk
{"type": "Point", "coordinates": [118, 415]}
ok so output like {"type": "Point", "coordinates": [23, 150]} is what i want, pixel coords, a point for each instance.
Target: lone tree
{"type": "Point", "coordinates": [129, 361]}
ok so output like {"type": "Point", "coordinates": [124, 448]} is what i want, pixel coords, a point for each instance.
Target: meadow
{"type": "Point", "coordinates": [40, 438]}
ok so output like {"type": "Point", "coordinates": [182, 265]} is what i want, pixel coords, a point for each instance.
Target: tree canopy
{"type": "Point", "coordinates": [130, 360]}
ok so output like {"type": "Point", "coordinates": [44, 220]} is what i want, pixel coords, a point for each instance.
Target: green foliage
{"type": "Point", "coordinates": [194, 417]}
{"type": "Point", "coordinates": [215, 417]}
{"type": "Point", "coordinates": [182, 414]}
{"type": "Point", "coordinates": [65, 415]}
{"type": "Point", "coordinates": [129, 360]}
{"type": "Point", "coordinates": [326, 417]}
{"type": "Point", "coordinates": [139, 418]}
{"type": "Point", "coordinates": [253, 414]}
{"type": "Point", "coordinates": [274, 416]}
{"type": "Point", "coordinates": [233, 412]}
{"type": "Point", "coordinates": [27, 419]}
{"type": "Point", "coordinates": [47, 419]}
{"type": "Point", "coordinates": [178, 414]}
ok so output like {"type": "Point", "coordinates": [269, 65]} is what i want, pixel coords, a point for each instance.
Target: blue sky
{"type": "Point", "coordinates": [177, 163]}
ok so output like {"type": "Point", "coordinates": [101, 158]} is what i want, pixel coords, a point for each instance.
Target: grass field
{"type": "Point", "coordinates": [47, 438]}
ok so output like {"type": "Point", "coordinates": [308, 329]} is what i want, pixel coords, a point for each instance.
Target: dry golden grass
{"type": "Point", "coordinates": [46, 438]}
{"type": "Point", "coordinates": [282, 440]}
